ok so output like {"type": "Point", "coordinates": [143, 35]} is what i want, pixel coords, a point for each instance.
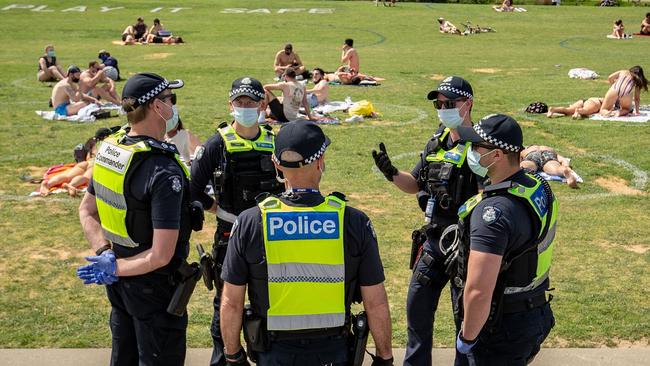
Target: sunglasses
{"type": "Point", "coordinates": [172, 96]}
{"type": "Point", "coordinates": [448, 104]}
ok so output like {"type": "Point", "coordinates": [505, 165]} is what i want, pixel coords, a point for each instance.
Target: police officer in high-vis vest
{"type": "Point", "coordinates": [504, 255]}
{"type": "Point", "coordinates": [237, 162]}
{"type": "Point", "coordinates": [304, 258]}
{"type": "Point", "coordinates": [442, 181]}
{"type": "Point", "coordinates": [136, 216]}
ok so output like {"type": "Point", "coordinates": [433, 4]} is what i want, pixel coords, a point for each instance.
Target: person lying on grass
{"type": "Point", "coordinates": [537, 158]}
{"type": "Point", "coordinates": [579, 109]}
{"type": "Point", "coordinates": [447, 27]}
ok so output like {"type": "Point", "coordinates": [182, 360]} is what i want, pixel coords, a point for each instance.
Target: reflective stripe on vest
{"type": "Point", "coordinates": [537, 199]}
{"type": "Point", "coordinates": [235, 143]}
{"type": "Point", "coordinates": [112, 163]}
{"type": "Point", "coordinates": [455, 156]}
{"type": "Point", "coordinates": [305, 262]}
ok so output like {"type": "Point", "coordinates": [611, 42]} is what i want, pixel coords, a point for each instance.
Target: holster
{"type": "Point", "coordinates": [185, 277]}
{"type": "Point", "coordinates": [218, 255]}
{"type": "Point", "coordinates": [207, 267]}
{"type": "Point", "coordinates": [255, 334]}
{"type": "Point", "coordinates": [358, 339]}
{"type": "Point", "coordinates": [418, 238]}
{"type": "Point", "coordinates": [196, 215]}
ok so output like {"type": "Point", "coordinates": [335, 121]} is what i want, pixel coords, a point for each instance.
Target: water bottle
{"type": "Point", "coordinates": [428, 213]}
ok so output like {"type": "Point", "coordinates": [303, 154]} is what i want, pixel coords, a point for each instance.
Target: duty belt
{"type": "Point", "coordinates": [526, 304]}
{"type": "Point", "coordinates": [311, 334]}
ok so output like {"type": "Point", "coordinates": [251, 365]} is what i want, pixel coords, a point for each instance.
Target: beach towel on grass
{"type": "Point", "coordinates": [582, 73]}
{"type": "Point", "coordinates": [643, 117]}
{"type": "Point", "coordinates": [627, 36]}
{"type": "Point", "coordinates": [55, 170]}
{"type": "Point", "coordinates": [84, 114]}
{"type": "Point", "coordinates": [558, 178]}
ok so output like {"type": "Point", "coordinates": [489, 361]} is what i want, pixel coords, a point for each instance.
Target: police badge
{"type": "Point", "coordinates": [176, 184]}
{"type": "Point", "coordinates": [490, 214]}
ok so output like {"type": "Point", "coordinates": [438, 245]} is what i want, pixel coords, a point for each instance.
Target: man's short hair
{"type": "Point", "coordinates": [156, 21]}
{"type": "Point", "coordinates": [92, 64]}
{"type": "Point", "coordinates": [140, 19]}
{"type": "Point", "coordinates": [349, 42]}
{"type": "Point", "coordinates": [288, 46]}
{"type": "Point", "coordinates": [355, 80]}
{"type": "Point", "coordinates": [319, 70]}
{"type": "Point", "coordinates": [290, 72]}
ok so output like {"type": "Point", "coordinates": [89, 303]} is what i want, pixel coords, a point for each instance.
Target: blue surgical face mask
{"type": "Point", "coordinates": [246, 117]}
{"type": "Point", "coordinates": [474, 162]}
{"type": "Point", "coordinates": [450, 117]}
{"type": "Point", "coordinates": [171, 123]}
{"type": "Point", "coordinates": [51, 53]}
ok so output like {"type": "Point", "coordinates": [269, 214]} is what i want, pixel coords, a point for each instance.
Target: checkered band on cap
{"type": "Point", "coordinates": [246, 89]}
{"type": "Point", "coordinates": [307, 161]}
{"type": "Point", "coordinates": [500, 144]}
{"type": "Point", "coordinates": [153, 92]}
{"type": "Point", "coordinates": [455, 91]}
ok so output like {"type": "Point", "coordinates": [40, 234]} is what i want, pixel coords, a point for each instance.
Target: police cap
{"type": "Point", "coordinates": [302, 137]}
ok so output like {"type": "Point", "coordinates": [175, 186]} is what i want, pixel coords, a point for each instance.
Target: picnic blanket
{"type": "Point", "coordinates": [122, 43]}
{"type": "Point", "coordinates": [582, 73]}
{"type": "Point", "coordinates": [641, 35]}
{"type": "Point", "coordinates": [643, 117]}
{"type": "Point", "coordinates": [516, 10]}
{"type": "Point", "coordinates": [84, 114]}
{"type": "Point", "coordinates": [334, 106]}
{"type": "Point", "coordinates": [362, 83]}
{"type": "Point", "coordinates": [558, 178]}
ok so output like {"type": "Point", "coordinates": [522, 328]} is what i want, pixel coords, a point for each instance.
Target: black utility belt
{"type": "Point", "coordinates": [525, 304]}
{"type": "Point", "coordinates": [311, 334]}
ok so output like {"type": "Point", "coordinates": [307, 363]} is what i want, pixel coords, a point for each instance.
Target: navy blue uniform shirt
{"type": "Point", "coordinates": [245, 258]}
{"type": "Point", "coordinates": [156, 180]}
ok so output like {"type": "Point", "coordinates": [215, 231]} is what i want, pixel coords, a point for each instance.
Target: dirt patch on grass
{"type": "Point", "coordinates": [157, 56]}
{"type": "Point", "coordinates": [359, 201]}
{"type": "Point", "coordinates": [59, 254]}
{"type": "Point", "coordinates": [637, 248]}
{"type": "Point", "coordinates": [437, 77]}
{"type": "Point", "coordinates": [487, 70]}
{"type": "Point", "coordinates": [617, 185]}
{"type": "Point", "coordinates": [634, 248]}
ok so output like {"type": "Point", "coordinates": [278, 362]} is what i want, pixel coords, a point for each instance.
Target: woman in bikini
{"type": "Point", "coordinates": [618, 100]}
{"type": "Point", "coordinates": [75, 177]}
{"type": "Point", "coordinates": [579, 109]}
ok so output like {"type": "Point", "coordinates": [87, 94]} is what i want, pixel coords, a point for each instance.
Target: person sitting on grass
{"type": "Point", "coordinates": [156, 27]}
{"type": "Point", "coordinates": [579, 109]}
{"type": "Point", "coordinates": [48, 67]}
{"type": "Point", "coordinates": [505, 6]}
{"type": "Point", "coordinates": [545, 159]}
{"type": "Point", "coordinates": [79, 175]}
{"type": "Point", "coordinates": [350, 78]}
{"type": "Point", "coordinates": [134, 33]}
{"type": "Point", "coordinates": [618, 100]}
{"type": "Point", "coordinates": [90, 80]}
{"type": "Point", "coordinates": [645, 25]}
{"type": "Point", "coordinates": [447, 27]}
{"type": "Point", "coordinates": [108, 61]}
{"type": "Point", "coordinates": [293, 97]}
{"type": "Point", "coordinates": [319, 94]}
{"type": "Point", "coordinates": [66, 96]}
{"type": "Point", "coordinates": [618, 30]}
{"type": "Point", "coordinates": [349, 57]}
{"type": "Point", "coordinates": [285, 59]}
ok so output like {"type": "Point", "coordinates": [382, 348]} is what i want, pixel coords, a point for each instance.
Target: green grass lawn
{"type": "Point", "coordinates": [602, 253]}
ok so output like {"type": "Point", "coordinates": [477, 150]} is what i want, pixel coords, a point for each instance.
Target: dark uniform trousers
{"type": "Point", "coordinates": [330, 351]}
{"type": "Point", "coordinates": [516, 341]}
{"type": "Point", "coordinates": [421, 305]}
{"type": "Point", "coordinates": [143, 333]}
{"type": "Point", "coordinates": [218, 358]}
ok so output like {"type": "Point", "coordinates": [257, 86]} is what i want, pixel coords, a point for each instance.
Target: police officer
{"type": "Point", "coordinates": [442, 181]}
{"type": "Point", "coordinates": [505, 252]}
{"type": "Point", "coordinates": [237, 161]}
{"type": "Point", "coordinates": [136, 216]}
{"type": "Point", "coordinates": [302, 257]}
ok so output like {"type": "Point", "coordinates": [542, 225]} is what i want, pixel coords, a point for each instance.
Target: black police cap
{"type": "Point", "coordinates": [303, 137]}
{"type": "Point", "coordinates": [453, 87]}
{"type": "Point", "coordinates": [247, 86]}
{"type": "Point", "coordinates": [496, 129]}
{"type": "Point", "coordinates": [143, 87]}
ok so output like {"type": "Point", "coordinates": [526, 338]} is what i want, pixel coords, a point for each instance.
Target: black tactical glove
{"type": "Point", "coordinates": [238, 359]}
{"type": "Point", "coordinates": [383, 162]}
{"type": "Point", "coordinates": [378, 361]}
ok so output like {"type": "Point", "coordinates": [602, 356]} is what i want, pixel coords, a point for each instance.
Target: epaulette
{"type": "Point", "coordinates": [223, 124]}
{"type": "Point", "coordinates": [339, 195]}
{"type": "Point", "coordinates": [166, 147]}
{"type": "Point", "coordinates": [267, 127]}
{"type": "Point", "coordinates": [262, 196]}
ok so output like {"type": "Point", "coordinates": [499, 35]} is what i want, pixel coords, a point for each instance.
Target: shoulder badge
{"type": "Point", "coordinates": [176, 183]}
{"type": "Point", "coordinates": [199, 153]}
{"type": "Point", "coordinates": [490, 214]}
{"type": "Point", "coordinates": [372, 229]}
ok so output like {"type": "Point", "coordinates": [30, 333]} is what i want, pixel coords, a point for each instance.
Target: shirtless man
{"type": "Point", "coordinates": [447, 27]}
{"type": "Point", "coordinates": [91, 78]}
{"type": "Point", "coordinates": [579, 109]}
{"type": "Point", "coordinates": [645, 25]}
{"type": "Point", "coordinates": [293, 96]}
{"type": "Point", "coordinates": [349, 57]}
{"type": "Point", "coordinates": [538, 158]}
{"type": "Point", "coordinates": [66, 96]}
{"type": "Point", "coordinates": [320, 92]}
{"type": "Point", "coordinates": [285, 59]}
{"type": "Point", "coordinates": [48, 67]}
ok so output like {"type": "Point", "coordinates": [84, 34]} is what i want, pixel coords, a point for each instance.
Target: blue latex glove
{"type": "Point", "coordinates": [100, 271]}
{"type": "Point", "coordinates": [462, 346]}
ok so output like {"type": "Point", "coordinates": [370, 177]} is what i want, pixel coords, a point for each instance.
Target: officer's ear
{"type": "Point", "coordinates": [230, 107]}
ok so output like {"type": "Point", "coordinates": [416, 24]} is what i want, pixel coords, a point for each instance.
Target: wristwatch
{"type": "Point", "coordinates": [104, 248]}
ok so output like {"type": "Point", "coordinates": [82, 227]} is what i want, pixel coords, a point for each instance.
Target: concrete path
{"type": "Point", "coordinates": [441, 356]}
